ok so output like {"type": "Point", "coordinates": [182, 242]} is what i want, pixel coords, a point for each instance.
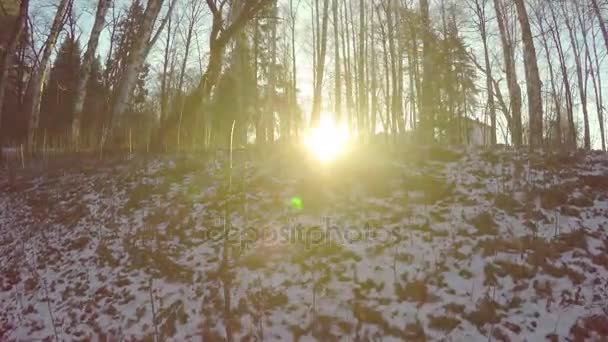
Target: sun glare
{"type": "Point", "coordinates": [326, 141]}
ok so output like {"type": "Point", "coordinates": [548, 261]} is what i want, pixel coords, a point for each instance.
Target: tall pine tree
{"type": "Point", "coordinates": [57, 99]}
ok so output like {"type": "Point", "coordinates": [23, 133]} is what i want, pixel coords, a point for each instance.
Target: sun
{"type": "Point", "coordinates": [326, 141]}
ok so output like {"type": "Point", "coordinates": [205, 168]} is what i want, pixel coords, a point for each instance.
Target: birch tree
{"type": "Point", "coordinates": [141, 46]}
{"type": "Point", "coordinates": [87, 62]}
{"type": "Point", "coordinates": [39, 76]}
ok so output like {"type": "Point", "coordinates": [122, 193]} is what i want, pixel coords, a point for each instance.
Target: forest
{"type": "Point", "coordinates": [175, 75]}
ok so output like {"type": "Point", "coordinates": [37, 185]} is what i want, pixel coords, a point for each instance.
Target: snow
{"type": "Point", "coordinates": [456, 263]}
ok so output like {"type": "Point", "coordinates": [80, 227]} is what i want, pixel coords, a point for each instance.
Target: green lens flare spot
{"type": "Point", "coordinates": [296, 203]}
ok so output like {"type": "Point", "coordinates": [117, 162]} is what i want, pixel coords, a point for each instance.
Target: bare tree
{"type": "Point", "coordinates": [166, 67]}
{"type": "Point", "coordinates": [140, 49]}
{"type": "Point", "coordinates": [509, 59]}
{"type": "Point", "coordinates": [481, 21]}
{"type": "Point", "coordinates": [535, 102]}
{"type": "Point", "coordinates": [317, 101]}
{"type": "Point", "coordinates": [580, 73]}
{"type": "Point", "coordinates": [601, 20]}
{"type": "Point", "coordinates": [337, 69]}
{"type": "Point", "coordinates": [427, 112]}
{"type": "Point", "coordinates": [556, 35]}
{"type": "Point", "coordinates": [39, 76]}
{"type": "Point", "coordinates": [540, 14]}
{"type": "Point", "coordinates": [87, 62]}
{"type": "Point", "coordinates": [597, 86]}
{"type": "Point", "coordinates": [194, 13]}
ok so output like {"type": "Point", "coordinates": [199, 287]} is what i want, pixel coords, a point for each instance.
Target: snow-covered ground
{"type": "Point", "coordinates": [427, 244]}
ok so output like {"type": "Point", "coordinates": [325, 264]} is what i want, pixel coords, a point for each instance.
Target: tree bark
{"type": "Point", "coordinates": [535, 102]}
{"type": "Point", "coordinates": [87, 62]}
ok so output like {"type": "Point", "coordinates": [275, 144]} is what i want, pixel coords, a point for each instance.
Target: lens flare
{"type": "Point", "coordinates": [326, 141]}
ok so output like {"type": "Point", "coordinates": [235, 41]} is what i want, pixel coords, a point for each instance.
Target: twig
{"type": "Point", "coordinates": [153, 313]}
{"type": "Point", "coordinates": [22, 158]}
{"type": "Point", "coordinates": [48, 302]}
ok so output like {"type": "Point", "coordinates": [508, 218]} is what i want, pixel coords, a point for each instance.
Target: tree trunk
{"type": "Point", "coordinates": [427, 111]}
{"type": "Point", "coordinates": [6, 58]}
{"type": "Point", "coordinates": [395, 103]}
{"type": "Point", "coordinates": [87, 62]}
{"type": "Point", "coordinates": [361, 70]}
{"type": "Point", "coordinates": [392, 126]}
{"type": "Point", "coordinates": [294, 76]}
{"type": "Point", "coordinates": [581, 79]}
{"type": "Point", "coordinates": [317, 101]}
{"type": "Point", "coordinates": [480, 8]}
{"type": "Point", "coordinates": [182, 71]}
{"type": "Point", "coordinates": [337, 69]}
{"type": "Point", "coordinates": [374, 77]}
{"type": "Point", "coordinates": [347, 66]}
{"type": "Point", "coordinates": [558, 107]}
{"type": "Point", "coordinates": [134, 62]}
{"type": "Point", "coordinates": [599, 99]}
{"type": "Point", "coordinates": [38, 79]}
{"type": "Point", "coordinates": [164, 92]}
{"type": "Point", "coordinates": [514, 90]}
{"type": "Point", "coordinates": [571, 141]}
{"type": "Point", "coordinates": [591, 72]}
{"type": "Point", "coordinates": [535, 102]}
{"type": "Point", "coordinates": [272, 82]}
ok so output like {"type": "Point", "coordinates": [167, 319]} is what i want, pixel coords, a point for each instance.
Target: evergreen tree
{"type": "Point", "coordinates": [94, 105]}
{"type": "Point", "coordinates": [127, 29]}
{"type": "Point", "coordinates": [58, 96]}
{"type": "Point", "coordinates": [456, 84]}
